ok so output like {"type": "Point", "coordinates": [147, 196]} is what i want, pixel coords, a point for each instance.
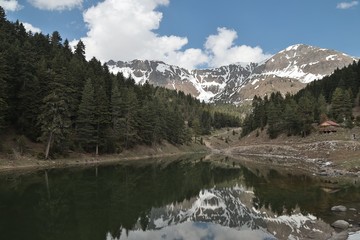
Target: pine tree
{"type": "Point", "coordinates": [3, 95]}
{"type": "Point", "coordinates": [274, 123]}
{"type": "Point", "coordinates": [337, 105]}
{"type": "Point", "coordinates": [102, 117]}
{"type": "Point", "coordinates": [80, 50]}
{"type": "Point", "coordinates": [147, 123]}
{"type": "Point", "coordinates": [129, 119]}
{"type": "Point", "coordinates": [86, 124]}
{"type": "Point", "coordinates": [291, 118]}
{"type": "Point", "coordinates": [206, 122]}
{"type": "Point", "coordinates": [2, 15]}
{"type": "Point", "coordinates": [196, 127]}
{"type": "Point", "coordinates": [54, 119]}
{"type": "Point", "coordinates": [27, 93]}
{"type": "Point", "coordinates": [306, 113]}
{"type": "Point", "coordinates": [116, 114]}
{"type": "Point", "coordinates": [321, 108]}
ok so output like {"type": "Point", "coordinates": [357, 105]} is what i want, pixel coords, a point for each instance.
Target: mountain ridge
{"type": "Point", "coordinates": [286, 71]}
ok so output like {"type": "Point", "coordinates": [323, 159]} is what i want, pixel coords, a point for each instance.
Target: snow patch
{"type": "Point", "coordinates": [255, 81]}
{"type": "Point", "coordinates": [293, 47]}
{"type": "Point", "coordinates": [293, 71]}
{"type": "Point", "coordinates": [163, 68]}
{"type": "Point", "coordinates": [331, 57]}
{"type": "Point", "coordinates": [313, 63]}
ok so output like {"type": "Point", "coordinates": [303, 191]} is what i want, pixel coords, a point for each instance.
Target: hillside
{"type": "Point", "coordinates": [52, 95]}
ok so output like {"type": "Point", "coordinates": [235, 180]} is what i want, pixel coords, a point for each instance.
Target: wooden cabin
{"type": "Point", "coordinates": [328, 127]}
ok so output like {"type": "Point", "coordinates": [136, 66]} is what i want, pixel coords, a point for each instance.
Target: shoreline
{"type": "Point", "coordinates": [318, 156]}
{"type": "Point", "coordinates": [84, 162]}
{"type": "Point", "coordinates": [28, 163]}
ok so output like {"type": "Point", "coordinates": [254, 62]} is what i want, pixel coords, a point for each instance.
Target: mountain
{"type": "Point", "coordinates": [204, 84]}
{"type": "Point", "coordinates": [287, 71]}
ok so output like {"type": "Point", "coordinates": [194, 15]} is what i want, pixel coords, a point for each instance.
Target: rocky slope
{"type": "Point", "coordinates": [287, 71]}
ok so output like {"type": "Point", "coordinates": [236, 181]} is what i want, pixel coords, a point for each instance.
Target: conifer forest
{"type": "Point", "coordinates": [51, 94]}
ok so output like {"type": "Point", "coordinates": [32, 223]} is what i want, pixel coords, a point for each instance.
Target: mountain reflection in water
{"type": "Point", "coordinates": [179, 199]}
{"type": "Point", "coordinates": [195, 230]}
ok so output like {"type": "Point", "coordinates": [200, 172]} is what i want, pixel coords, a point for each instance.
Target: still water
{"type": "Point", "coordinates": [185, 198]}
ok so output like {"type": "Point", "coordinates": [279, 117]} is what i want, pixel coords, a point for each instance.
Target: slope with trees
{"type": "Point", "coordinates": [332, 97]}
{"type": "Point", "coordinates": [53, 95]}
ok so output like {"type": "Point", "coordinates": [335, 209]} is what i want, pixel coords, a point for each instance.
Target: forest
{"type": "Point", "coordinates": [50, 93]}
{"type": "Point", "coordinates": [331, 98]}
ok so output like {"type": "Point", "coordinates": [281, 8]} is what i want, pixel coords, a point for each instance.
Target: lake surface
{"type": "Point", "coordinates": [185, 198]}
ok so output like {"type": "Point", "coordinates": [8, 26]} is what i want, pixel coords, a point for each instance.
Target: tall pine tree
{"type": "Point", "coordinates": [86, 123]}
{"type": "Point", "coordinates": [54, 119]}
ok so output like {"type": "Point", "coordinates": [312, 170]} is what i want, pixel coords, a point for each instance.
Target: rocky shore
{"type": "Point", "coordinates": [345, 229]}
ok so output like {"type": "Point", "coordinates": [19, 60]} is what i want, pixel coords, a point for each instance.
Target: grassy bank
{"type": "Point", "coordinates": [15, 159]}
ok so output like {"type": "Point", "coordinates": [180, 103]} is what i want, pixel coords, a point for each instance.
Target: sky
{"type": "Point", "coordinates": [193, 33]}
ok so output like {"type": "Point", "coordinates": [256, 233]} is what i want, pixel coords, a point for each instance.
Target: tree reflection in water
{"type": "Point", "coordinates": [110, 201]}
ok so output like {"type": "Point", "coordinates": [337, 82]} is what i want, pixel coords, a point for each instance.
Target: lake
{"type": "Point", "coordinates": [184, 198]}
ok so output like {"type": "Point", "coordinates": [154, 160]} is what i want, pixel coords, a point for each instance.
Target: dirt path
{"type": "Point", "coordinates": [223, 134]}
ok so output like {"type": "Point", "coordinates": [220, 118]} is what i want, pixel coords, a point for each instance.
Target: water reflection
{"type": "Point", "coordinates": [182, 199]}
{"type": "Point", "coordinates": [194, 230]}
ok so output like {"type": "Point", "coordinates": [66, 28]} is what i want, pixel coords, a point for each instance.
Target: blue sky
{"type": "Point", "coordinates": [193, 33]}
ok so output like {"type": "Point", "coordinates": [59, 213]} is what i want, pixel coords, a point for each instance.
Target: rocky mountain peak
{"type": "Point", "coordinates": [287, 71]}
{"type": "Point", "coordinates": [306, 63]}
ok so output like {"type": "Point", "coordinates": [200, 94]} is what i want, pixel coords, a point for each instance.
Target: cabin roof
{"type": "Point", "coordinates": [329, 123]}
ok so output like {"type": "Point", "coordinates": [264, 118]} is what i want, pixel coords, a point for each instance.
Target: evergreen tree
{"type": "Point", "coordinates": [116, 114]}
{"type": "Point", "coordinates": [101, 117]}
{"type": "Point", "coordinates": [291, 118]}
{"type": "Point", "coordinates": [3, 96]}
{"type": "Point", "coordinates": [129, 120]}
{"type": "Point", "coordinates": [148, 125]}
{"type": "Point", "coordinates": [320, 108]}
{"type": "Point", "coordinates": [56, 40]}
{"type": "Point", "coordinates": [54, 119]}
{"type": "Point", "coordinates": [306, 113]}
{"type": "Point", "coordinates": [27, 93]}
{"type": "Point", "coordinates": [196, 128]}
{"type": "Point", "coordinates": [86, 123]}
{"type": "Point", "coordinates": [80, 50]}
{"type": "Point", "coordinates": [341, 106]}
{"type": "Point", "coordinates": [274, 123]}
{"type": "Point", "coordinates": [259, 113]}
{"type": "Point", "coordinates": [2, 15]}
{"type": "Point", "coordinates": [206, 121]}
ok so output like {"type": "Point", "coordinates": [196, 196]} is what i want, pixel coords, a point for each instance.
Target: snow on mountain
{"type": "Point", "coordinates": [203, 84]}
{"type": "Point", "coordinates": [305, 63]}
{"type": "Point", "coordinates": [287, 71]}
{"type": "Point", "coordinates": [160, 74]}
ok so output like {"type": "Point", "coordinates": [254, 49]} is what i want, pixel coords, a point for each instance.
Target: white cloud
{"type": "Point", "coordinates": [10, 5]}
{"type": "Point", "coordinates": [31, 28]}
{"type": "Point", "coordinates": [124, 30]}
{"type": "Point", "coordinates": [222, 50]}
{"type": "Point", "coordinates": [56, 4]}
{"type": "Point", "coordinates": [347, 5]}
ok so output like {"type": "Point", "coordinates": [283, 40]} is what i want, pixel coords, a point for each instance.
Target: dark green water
{"type": "Point", "coordinates": [184, 199]}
